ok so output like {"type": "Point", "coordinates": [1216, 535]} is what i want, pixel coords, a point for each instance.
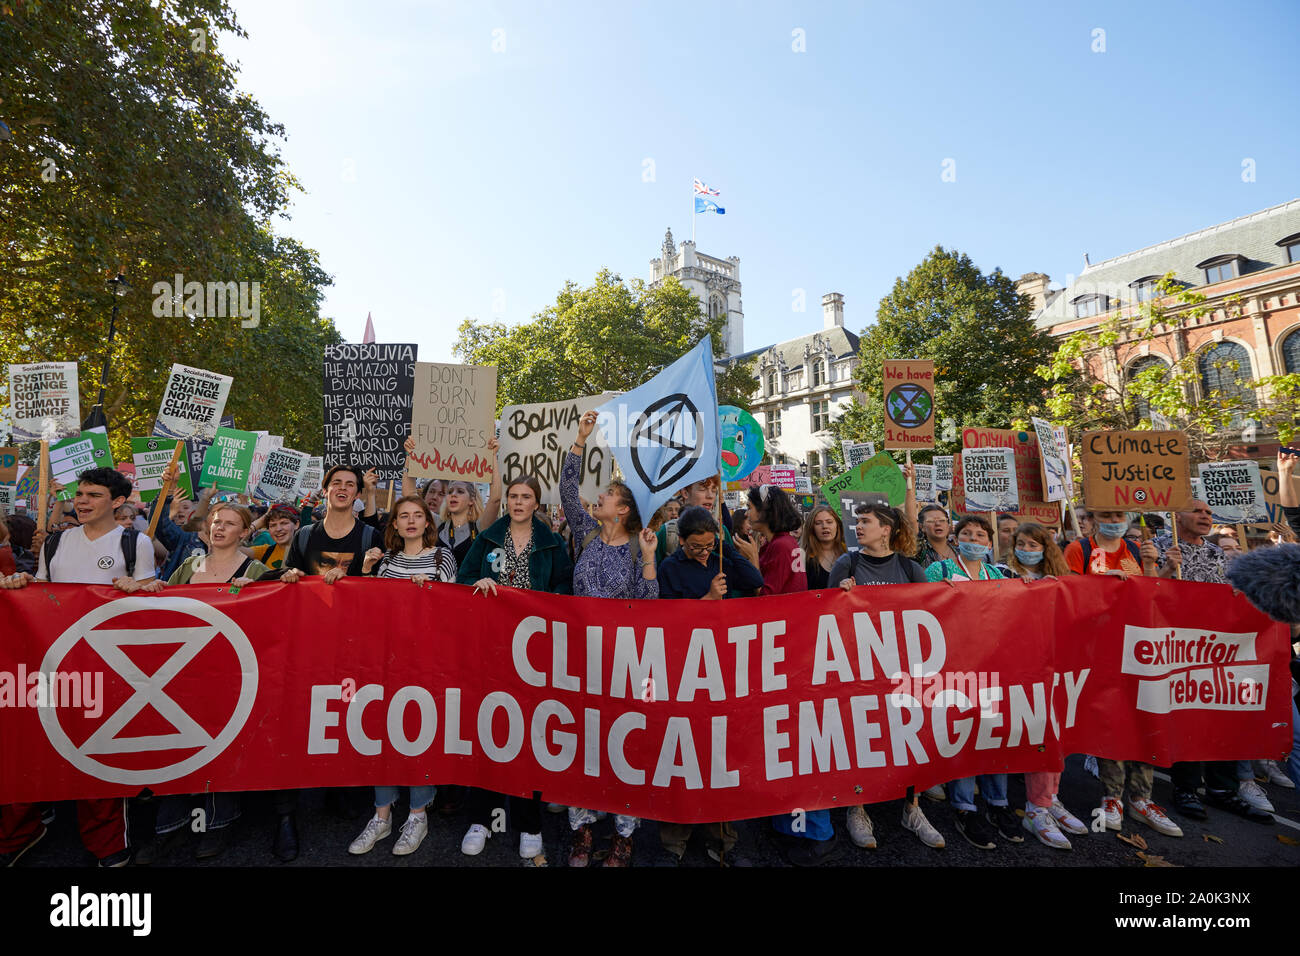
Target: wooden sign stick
{"type": "Point", "coordinates": [43, 487]}
{"type": "Point", "coordinates": [168, 486]}
{"type": "Point", "coordinates": [993, 520]}
{"type": "Point", "coordinates": [1180, 565]}
{"type": "Point", "coordinates": [1241, 537]}
{"type": "Point", "coordinates": [389, 509]}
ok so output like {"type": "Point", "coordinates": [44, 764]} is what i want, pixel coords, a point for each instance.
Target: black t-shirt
{"type": "Point", "coordinates": [818, 577]}
{"type": "Point", "coordinates": [325, 552]}
{"type": "Point", "coordinates": [867, 569]}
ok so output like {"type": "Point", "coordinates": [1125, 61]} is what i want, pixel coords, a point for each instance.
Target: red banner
{"type": "Point", "coordinates": [670, 710]}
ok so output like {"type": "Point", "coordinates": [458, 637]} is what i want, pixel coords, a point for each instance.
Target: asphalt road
{"type": "Point", "coordinates": [325, 832]}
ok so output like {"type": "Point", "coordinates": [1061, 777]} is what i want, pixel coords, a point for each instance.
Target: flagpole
{"type": "Point", "coordinates": [693, 212]}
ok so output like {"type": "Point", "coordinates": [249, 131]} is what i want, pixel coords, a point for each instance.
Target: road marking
{"type": "Point", "coordinates": [1276, 816]}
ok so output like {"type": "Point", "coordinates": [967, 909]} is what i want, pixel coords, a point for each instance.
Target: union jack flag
{"type": "Point", "coordinates": [703, 190]}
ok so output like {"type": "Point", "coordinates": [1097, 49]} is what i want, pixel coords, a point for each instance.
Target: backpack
{"type": "Point", "coordinates": [128, 551]}
{"type": "Point", "coordinates": [1086, 545]}
{"type": "Point", "coordinates": [302, 538]}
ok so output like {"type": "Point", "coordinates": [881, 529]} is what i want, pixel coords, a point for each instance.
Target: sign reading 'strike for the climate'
{"type": "Point", "coordinates": [1136, 471]}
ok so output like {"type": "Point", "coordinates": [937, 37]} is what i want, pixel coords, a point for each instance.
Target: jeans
{"type": "Point", "coordinates": [219, 810]}
{"type": "Point", "coordinates": [961, 793]}
{"type": "Point", "coordinates": [816, 825]}
{"type": "Point", "coordinates": [421, 797]}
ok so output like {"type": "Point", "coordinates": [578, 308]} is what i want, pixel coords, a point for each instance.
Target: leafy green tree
{"type": "Point", "coordinates": [1084, 397]}
{"type": "Point", "coordinates": [976, 329]}
{"type": "Point", "coordinates": [132, 149]}
{"type": "Point", "coordinates": [609, 336]}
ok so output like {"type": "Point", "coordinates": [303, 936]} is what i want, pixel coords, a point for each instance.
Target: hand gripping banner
{"type": "Point", "coordinates": [684, 711]}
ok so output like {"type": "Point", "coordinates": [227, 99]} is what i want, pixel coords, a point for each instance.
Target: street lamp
{"type": "Point", "coordinates": [119, 287]}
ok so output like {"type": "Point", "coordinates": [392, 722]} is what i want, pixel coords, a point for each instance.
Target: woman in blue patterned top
{"type": "Point", "coordinates": [616, 559]}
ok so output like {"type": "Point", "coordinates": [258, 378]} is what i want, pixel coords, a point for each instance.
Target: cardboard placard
{"type": "Point", "coordinates": [989, 479]}
{"type": "Point", "coordinates": [855, 453]}
{"type": "Point", "coordinates": [229, 460]}
{"type": "Point", "coordinates": [368, 399]}
{"type": "Point", "coordinates": [909, 404]}
{"type": "Point", "coordinates": [535, 440]}
{"type": "Point", "coordinates": [942, 472]}
{"type": "Point", "coordinates": [266, 443]}
{"type": "Point", "coordinates": [926, 493]}
{"type": "Point", "coordinates": [762, 475]}
{"type": "Point", "coordinates": [192, 403]}
{"type": "Point", "coordinates": [312, 475]}
{"type": "Point", "coordinates": [1029, 474]}
{"type": "Point", "coordinates": [452, 419]}
{"type": "Point", "coordinates": [1136, 471]}
{"type": "Point", "coordinates": [741, 438]}
{"type": "Point", "coordinates": [8, 465]}
{"type": "Point", "coordinates": [782, 476]}
{"type": "Point", "coordinates": [71, 456]}
{"type": "Point", "coordinates": [848, 502]}
{"type": "Point", "coordinates": [1054, 461]}
{"type": "Point", "coordinates": [44, 403]}
{"type": "Point", "coordinates": [281, 475]}
{"type": "Point", "coordinates": [879, 475]}
{"type": "Point", "coordinates": [151, 456]}
{"type": "Point", "coordinates": [1234, 491]}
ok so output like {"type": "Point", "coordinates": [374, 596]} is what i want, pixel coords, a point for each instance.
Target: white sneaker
{"type": "Point", "coordinates": [1254, 794]}
{"type": "Point", "coordinates": [1154, 817]}
{"type": "Point", "coordinates": [1272, 773]}
{"type": "Point", "coordinates": [475, 839]}
{"type": "Point", "coordinates": [376, 829]}
{"type": "Point", "coordinates": [414, 830]}
{"type": "Point", "coordinates": [935, 793]}
{"type": "Point", "coordinates": [1065, 819]}
{"type": "Point", "coordinates": [914, 820]}
{"type": "Point", "coordinates": [860, 831]}
{"type": "Point", "coordinates": [1039, 822]}
{"type": "Point", "coordinates": [1112, 811]}
{"type": "Point", "coordinates": [530, 845]}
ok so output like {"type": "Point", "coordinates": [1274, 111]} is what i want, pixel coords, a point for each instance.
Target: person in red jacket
{"type": "Point", "coordinates": [773, 515]}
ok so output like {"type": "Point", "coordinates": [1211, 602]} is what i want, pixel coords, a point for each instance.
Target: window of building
{"type": "Point", "coordinates": [814, 466]}
{"type": "Point", "coordinates": [1141, 365]}
{"type": "Point", "coordinates": [1225, 368]}
{"type": "Point", "coordinates": [1219, 268]}
{"type": "Point", "coordinates": [1144, 289]}
{"type": "Point", "coordinates": [717, 307]}
{"type": "Point", "coordinates": [1291, 352]}
{"type": "Point", "coordinates": [1291, 246]}
{"type": "Point", "coordinates": [818, 373]}
{"type": "Point", "coordinates": [772, 423]}
{"type": "Point", "coordinates": [771, 383]}
{"type": "Point", "coordinates": [821, 416]}
{"type": "Point", "coordinates": [1091, 304]}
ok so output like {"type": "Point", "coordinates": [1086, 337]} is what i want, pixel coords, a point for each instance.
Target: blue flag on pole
{"type": "Point", "coordinates": [664, 434]}
{"type": "Point", "coordinates": [707, 205]}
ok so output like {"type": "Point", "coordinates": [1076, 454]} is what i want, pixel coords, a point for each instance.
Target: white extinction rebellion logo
{"type": "Point", "coordinates": [150, 690]}
{"type": "Point", "coordinates": [1194, 669]}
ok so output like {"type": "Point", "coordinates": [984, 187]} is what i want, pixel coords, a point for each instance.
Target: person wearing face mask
{"type": "Point", "coordinates": [1107, 552]}
{"type": "Point", "coordinates": [974, 552]}
{"type": "Point", "coordinates": [1036, 556]}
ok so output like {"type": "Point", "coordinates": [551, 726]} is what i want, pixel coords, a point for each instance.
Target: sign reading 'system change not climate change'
{"type": "Point", "coordinates": [1136, 471]}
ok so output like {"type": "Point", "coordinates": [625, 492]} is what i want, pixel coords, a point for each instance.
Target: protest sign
{"type": "Point", "coordinates": [909, 404]}
{"type": "Point", "coordinates": [8, 465]}
{"type": "Point", "coordinates": [942, 472]}
{"type": "Point", "coordinates": [535, 440]}
{"type": "Point", "coordinates": [1053, 459]}
{"type": "Point", "coordinates": [44, 403]}
{"type": "Point", "coordinates": [782, 476]}
{"type": "Point", "coordinates": [1136, 471]}
{"type": "Point", "coordinates": [71, 456]}
{"type": "Point", "coordinates": [855, 453]}
{"type": "Point", "coordinates": [802, 485]}
{"type": "Point", "coordinates": [151, 456]}
{"type": "Point", "coordinates": [848, 504]}
{"type": "Point", "coordinates": [926, 493]}
{"type": "Point", "coordinates": [452, 418]}
{"type": "Point", "coordinates": [1138, 670]}
{"type": "Point", "coordinates": [26, 488]}
{"type": "Point", "coordinates": [312, 476]}
{"type": "Point", "coordinates": [878, 475]}
{"type": "Point", "coordinates": [1234, 491]}
{"type": "Point", "coordinates": [192, 403]}
{"type": "Point", "coordinates": [368, 400]}
{"type": "Point", "coordinates": [266, 443]}
{"type": "Point", "coordinates": [6, 498]}
{"type": "Point", "coordinates": [228, 461]}
{"type": "Point", "coordinates": [1029, 474]}
{"type": "Point", "coordinates": [197, 448]}
{"type": "Point", "coordinates": [742, 442]}
{"type": "Point", "coordinates": [989, 479]}
{"type": "Point", "coordinates": [281, 475]}
{"type": "Point", "coordinates": [762, 475]}
{"type": "Point", "coordinates": [1063, 447]}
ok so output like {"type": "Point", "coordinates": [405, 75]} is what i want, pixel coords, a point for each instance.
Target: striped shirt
{"type": "Point", "coordinates": [435, 563]}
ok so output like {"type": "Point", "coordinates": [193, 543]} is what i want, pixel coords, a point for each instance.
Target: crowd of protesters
{"type": "Point", "coordinates": [694, 548]}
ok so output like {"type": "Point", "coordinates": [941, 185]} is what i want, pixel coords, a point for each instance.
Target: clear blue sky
{"type": "Point", "coordinates": [446, 180]}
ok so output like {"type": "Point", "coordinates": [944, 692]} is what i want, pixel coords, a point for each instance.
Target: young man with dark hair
{"type": "Point", "coordinates": [97, 551]}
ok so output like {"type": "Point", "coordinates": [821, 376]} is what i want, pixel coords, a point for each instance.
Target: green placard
{"type": "Point", "coordinates": [878, 475]}
{"type": "Point", "coordinates": [71, 456]}
{"type": "Point", "coordinates": [151, 457]}
{"type": "Point", "coordinates": [227, 463]}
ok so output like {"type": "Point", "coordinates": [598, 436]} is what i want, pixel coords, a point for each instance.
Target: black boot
{"type": "Point", "coordinates": [286, 839]}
